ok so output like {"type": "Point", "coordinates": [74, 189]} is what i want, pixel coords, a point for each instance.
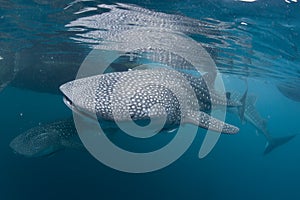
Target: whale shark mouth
{"type": "Point", "coordinates": [68, 102]}
{"type": "Point", "coordinates": [78, 110]}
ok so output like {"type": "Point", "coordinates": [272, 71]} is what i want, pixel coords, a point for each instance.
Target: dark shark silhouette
{"type": "Point", "coordinates": [251, 115]}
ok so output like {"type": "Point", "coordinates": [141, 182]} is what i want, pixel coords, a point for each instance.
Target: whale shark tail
{"type": "Point", "coordinates": [276, 142]}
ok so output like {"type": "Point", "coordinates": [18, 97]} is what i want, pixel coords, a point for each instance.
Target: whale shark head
{"type": "Point", "coordinates": [36, 143]}
{"type": "Point", "coordinates": [45, 140]}
{"type": "Point", "coordinates": [80, 95]}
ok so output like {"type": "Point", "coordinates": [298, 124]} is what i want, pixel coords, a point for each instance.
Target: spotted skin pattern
{"type": "Point", "coordinates": [47, 139]}
{"type": "Point", "coordinates": [181, 98]}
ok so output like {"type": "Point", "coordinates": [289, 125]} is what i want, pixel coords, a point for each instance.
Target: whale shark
{"type": "Point", "coordinates": [251, 115]}
{"type": "Point", "coordinates": [112, 96]}
{"type": "Point", "coordinates": [48, 139]}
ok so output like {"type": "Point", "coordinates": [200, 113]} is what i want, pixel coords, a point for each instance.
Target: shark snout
{"type": "Point", "coordinates": [15, 146]}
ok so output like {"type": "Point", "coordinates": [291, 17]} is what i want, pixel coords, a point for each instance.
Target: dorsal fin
{"type": "Point", "coordinates": [228, 95]}
{"type": "Point", "coordinates": [241, 109]}
{"type": "Point", "coordinates": [243, 100]}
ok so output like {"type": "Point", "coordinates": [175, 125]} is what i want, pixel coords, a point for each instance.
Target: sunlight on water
{"type": "Point", "coordinates": [255, 44]}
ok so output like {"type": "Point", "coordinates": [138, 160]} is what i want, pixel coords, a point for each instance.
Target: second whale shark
{"type": "Point", "coordinates": [45, 140]}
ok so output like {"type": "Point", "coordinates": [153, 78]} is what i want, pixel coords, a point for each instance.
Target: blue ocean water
{"type": "Point", "coordinates": [42, 41]}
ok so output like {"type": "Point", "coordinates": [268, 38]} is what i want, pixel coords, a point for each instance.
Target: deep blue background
{"type": "Point", "coordinates": [235, 169]}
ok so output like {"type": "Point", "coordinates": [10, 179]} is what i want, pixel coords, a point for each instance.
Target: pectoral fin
{"type": "Point", "coordinates": [204, 120]}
